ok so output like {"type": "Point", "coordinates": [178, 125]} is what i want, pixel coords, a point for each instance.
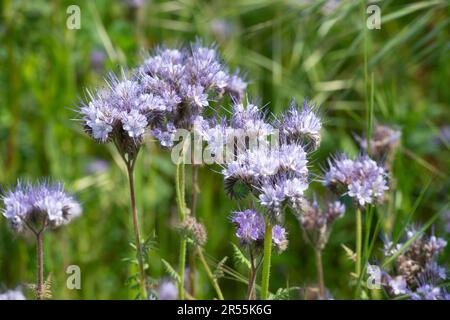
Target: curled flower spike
{"type": "Point", "coordinates": [298, 125]}
{"type": "Point", "coordinates": [39, 206]}
{"type": "Point", "coordinates": [194, 231]}
{"type": "Point", "coordinates": [316, 222]}
{"type": "Point", "coordinates": [384, 141]}
{"type": "Point", "coordinates": [363, 178]}
{"type": "Point", "coordinates": [416, 271]}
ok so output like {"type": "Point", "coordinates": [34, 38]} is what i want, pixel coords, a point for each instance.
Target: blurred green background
{"type": "Point", "coordinates": [321, 50]}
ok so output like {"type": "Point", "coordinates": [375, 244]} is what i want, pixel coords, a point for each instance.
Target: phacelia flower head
{"type": "Point", "coordinates": [194, 230]}
{"type": "Point", "coordinates": [383, 142]}
{"type": "Point", "coordinates": [363, 179]}
{"type": "Point", "coordinates": [120, 112]}
{"type": "Point", "coordinates": [186, 81]}
{"type": "Point", "coordinates": [251, 227]}
{"type": "Point", "coordinates": [275, 174]}
{"type": "Point", "coordinates": [40, 206]}
{"type": "Point", "coordinates": [301, 125]}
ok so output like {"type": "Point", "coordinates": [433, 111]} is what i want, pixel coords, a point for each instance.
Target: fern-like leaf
{"type": "Point", "coordinates": [240, 257]}
{"type": "Point", "coordinates": [171, 271]}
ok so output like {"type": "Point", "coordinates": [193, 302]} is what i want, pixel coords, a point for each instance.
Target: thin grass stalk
{"type": "Point", "coordinates": [267, 260]}
{"type": "Point", "coordinates": [210, 275]}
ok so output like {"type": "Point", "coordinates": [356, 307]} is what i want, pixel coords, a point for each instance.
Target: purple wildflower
{"type": "Point", "coordinates": [398, 285]}
{"type": "Point", "coordinates": [15, 294]}
{"type": "Point", "coordinates": [185, 81]}
{"type": "Point", "coordinates": [279, 237]}
{"type": "Point", "coordinates": [250, 225]}
{"type": "Point", "coordinates": [383, 142]}
{"type": "Point", "coordinates": [416, 271]}
{"type": "Point", "coordinates": [119, 112]}
{"type": "Point", "coordinates": [251, 228]}
{"type": "Point", "coordinates": [167, 291]}
{"type": "Point", "coordinates": [316, 222]}
{"type": "Point", "coordinates": [365, 181]}
{"type": "Point", "coordinates": [42, 205]}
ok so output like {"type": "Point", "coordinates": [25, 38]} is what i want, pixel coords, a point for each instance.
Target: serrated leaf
{"type": "Point", "coordinates": [283, 293]}
{"type": "Point", "coordinates": [219, 273]}
{"type": "Point", "coordinates": [240, 257]}
{"type": "Point", "coordinates": [171, 271]}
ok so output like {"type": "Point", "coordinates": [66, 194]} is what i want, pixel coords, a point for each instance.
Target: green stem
{"type": "Point", "coordinates": [137, 240]}
{"type": "Point", "coordinates": [267, 259]}
{"type": "Point", "coordinates": [358, 242]}
{"type": "Point", "coordinates": [194, 195]}
{"type": "Point", "coordinates": [181, 270]}
{"type": "Point", "coordinates": [211, 277]}
{"type": "Point", "coordinates": [179, 185]}
{"type": "Point", "coordinates": [320, 274]}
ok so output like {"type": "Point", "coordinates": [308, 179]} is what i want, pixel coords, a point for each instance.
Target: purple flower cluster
{"type": "Point", "coordinates": [184, 82]}
{"type": "Point", "coordinates": [247, 128]}
{"type": "Point", "coordinates": [41, 205]}
{"type": "Point", "coordinates": [122, 110]}
{"type": "Point", "coordinates": [169, 91]}
{"type": "Point", "coordinates": [251, 228]}
{"type": "Point", "coordinates": [364, 179]}
{"type": "Point", "coordinates": [276, 174]}
{"type": "Point", "coordinates": [316, 223]}
{"type": "Point", "coordinates": [385, 140]}
{"type": "Point", "coordinates": [416, 272]}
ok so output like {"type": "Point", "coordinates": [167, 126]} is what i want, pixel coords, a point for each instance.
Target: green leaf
{"type": "Point", "coordinates": [171, 271]}
{"type": "Point", "coordinates": [240, 257]}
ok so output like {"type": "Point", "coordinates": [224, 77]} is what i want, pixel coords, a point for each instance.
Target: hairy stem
{"type": "Point", "coordinates": [40, 267]}
{"type": "Point", "coordinates": [358, 242]}
{"type": "Point", "coordinates": [194, 196]}
{"type": "Point", "coordinates": [320, 274]}
{"type": "Point", "coordinates": [179, 185]}
{"type": "Point", "coordinates": [267, 260]}
{"type": "Point", "coordinates": [137, 240]}
{"type": "Point", "coordinates": [211, 277]}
